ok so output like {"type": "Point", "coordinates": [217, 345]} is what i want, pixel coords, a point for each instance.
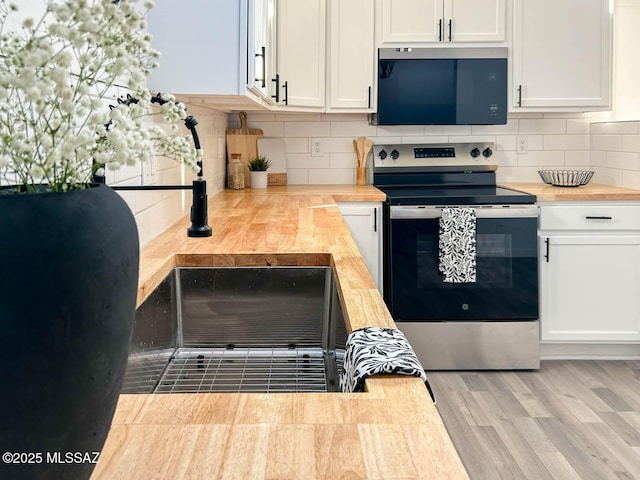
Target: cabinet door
{"type": "Point", "coordinates": [412, 21]}
{"type": "Point", "coordinates": [215, 62]}
{"type": "Point", "coordinates": [351, 55]}
{"type": "Point", "coordinates": [475, 20]}
{"type": "Point", "coordinates": [561, 54]}
{"type": "Point", "coordinates": [363, 220]}
{"type": "Point", "coordinates": [301, 52]}
{"type": "Point", "coordinates": [590, 288]}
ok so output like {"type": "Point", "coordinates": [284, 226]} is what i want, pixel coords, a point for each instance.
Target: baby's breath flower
{"type": "Point", "coordinates": [56, 78]}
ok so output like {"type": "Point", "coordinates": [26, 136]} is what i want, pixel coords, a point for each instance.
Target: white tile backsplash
{"type": "Point", "coordinates": [341, 160]}
{"type": "Point", "coordinates": [510, 127]}
{"type": "Point", "coordinates": [296, 145]}
{"type": "Point", "coordinates": [447, 130]}
{"type": "Point", "coordinates": [534, 142]}
{"type": "Point", "coordinates": [544, 125]}
{"type": "Point", "coordinates": [541, 158]}
{"type": "Point", "coordinates": [506, 142]}
{"type": "Point", "coordinates": [615, 153]}
{"type": "Point", "coordinates": [606, 142]}
{"type": "Point", "coordinates": [297, 176]}
{"type": "Point", "coordinates": [622, 160]}
{"type": "Point", "coordinates": [631, 180]}
{"type": "Point", "coordinates": [422, 139]}
{"type": "Point", "coordinates": [553, 141]}
{"type": "Point", "coordinates": [566, 142]}
{"type": "Point", "coordinates": [402, 130]}
{"type": "Point", "coordinates": [577, 158]}
{"type": "Point", "coordinates": [273, 129]}
{"type": "Point", "coordinates": [353, 129]}
{"type": "Point", "coordinates": [155, 211]}
{"type": "Point", "coordinates": [631, 143]}
{"type": "Point", "coordinates": [303, 129]}
{"type": "Point", "coordinates": [305, 160]}
{"type": "Point", "coordinates": [577, 125]}
{"type": "Point", "coordinates": [335, 176]}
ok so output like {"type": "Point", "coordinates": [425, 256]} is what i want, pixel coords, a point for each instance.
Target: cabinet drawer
{"type": "Point", "coordinates": [590, 217]}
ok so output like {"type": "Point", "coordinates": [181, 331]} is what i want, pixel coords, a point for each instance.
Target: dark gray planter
{"type": "Point", "coordinates": [68, 283]}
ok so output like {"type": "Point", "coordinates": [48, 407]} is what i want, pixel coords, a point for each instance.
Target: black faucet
{"type": "Point", "coordinates": [199, 204]}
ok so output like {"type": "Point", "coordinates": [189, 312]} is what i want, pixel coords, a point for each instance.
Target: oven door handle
{"type": "Point", "coordinates": [429, 212]}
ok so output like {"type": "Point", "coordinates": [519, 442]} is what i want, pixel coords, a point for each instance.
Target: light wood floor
{"type": "Point", "coordinates": [569, 420]}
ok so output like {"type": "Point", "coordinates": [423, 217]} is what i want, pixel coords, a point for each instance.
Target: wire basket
{"type": "Point", "coordinates": [566, 178]}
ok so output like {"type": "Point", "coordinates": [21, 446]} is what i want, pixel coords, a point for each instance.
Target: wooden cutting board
{"type": "Point", "coordinates": [273, 149]}
{"type": "Point", "coordinates": [243, 140]}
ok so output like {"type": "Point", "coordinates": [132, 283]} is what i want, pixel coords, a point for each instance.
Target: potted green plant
{"type": "Point", "coordinates": [69, 249]}
{"type": "Point", "coordinates": [258, 171]}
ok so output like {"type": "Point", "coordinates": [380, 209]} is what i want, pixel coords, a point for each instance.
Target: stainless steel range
{"type": "Point", "coordinates": [490, 322]}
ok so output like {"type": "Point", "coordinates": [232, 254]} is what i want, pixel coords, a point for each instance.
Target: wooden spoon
{"type": "Point", "coordinates": [366, 149]}
{"type": "Point", "coordinates": [357, 150]}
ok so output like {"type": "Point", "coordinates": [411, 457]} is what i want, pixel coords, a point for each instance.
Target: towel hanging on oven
{"type": "Point", "coordinates": [457, 245]}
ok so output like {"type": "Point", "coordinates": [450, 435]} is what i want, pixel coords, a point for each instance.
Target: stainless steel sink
{"type": "Point", "coordinates": [238, 329]}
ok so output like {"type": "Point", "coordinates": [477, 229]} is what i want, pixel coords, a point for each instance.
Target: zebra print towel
{"type": "Point", "coordinates": [372, 350]}
{"type": "Point", "coordinates": [457, 245]}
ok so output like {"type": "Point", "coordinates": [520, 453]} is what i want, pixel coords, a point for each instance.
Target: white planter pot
{"type": "Point", "coordinates": [258, 179]}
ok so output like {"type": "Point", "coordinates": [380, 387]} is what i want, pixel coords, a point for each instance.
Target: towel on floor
{"type": "Point", "coordinates": [372, 350]}
{"type": "Point", "coordinates": [457, 245]}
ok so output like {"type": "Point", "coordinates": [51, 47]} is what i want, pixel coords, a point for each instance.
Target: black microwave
{"type": "Point", "coordinates": [442, 86]}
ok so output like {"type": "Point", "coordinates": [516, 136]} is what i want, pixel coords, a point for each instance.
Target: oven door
{"type": "Point", "coordinates": [506, 286]}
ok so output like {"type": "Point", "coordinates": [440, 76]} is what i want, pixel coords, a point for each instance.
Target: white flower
{"type": "Point", "coordinates": [55, 75]}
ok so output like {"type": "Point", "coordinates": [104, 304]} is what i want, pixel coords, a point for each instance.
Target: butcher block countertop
{"type": "Point", "coordinates": [391, 431]}
{"type": "Point", "coordinates": [588, 192]}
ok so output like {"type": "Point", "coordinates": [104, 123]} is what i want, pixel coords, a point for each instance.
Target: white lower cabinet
{"type": "Point", "coordinates": [364, 220]}
{"type": "Point", "coordinates": [589, 274]}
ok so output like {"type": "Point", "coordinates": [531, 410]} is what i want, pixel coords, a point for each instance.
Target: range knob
{"type": "Point", "coordinates": [395, 154]}
{"type": "Point", "coordinates": [487, 152]}
{"type": "Point", "coordinates": [382, 155]}
{"type": "Point", "coordinates": [475, 153]}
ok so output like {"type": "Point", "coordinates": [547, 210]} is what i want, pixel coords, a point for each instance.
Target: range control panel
{"type": "Point", "coordinates": [428, 155]}
{"type": "Point", "coordinates": [434, 152]}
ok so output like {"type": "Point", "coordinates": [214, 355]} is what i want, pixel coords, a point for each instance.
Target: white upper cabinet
{"type": "Point", "coordinates": [475, 20]}
{"type": "Point", "coordinates": [351, 56]}
{"type": "Point", "coordinates": [412, 21]}
{"type": "Point", "coordinates": [209, 63]}
{"type": "Point", "coordinates": [428, 21]}
{"type": "Point", "coordinates": [301, 53]}
{"type": "Point", "coordinates": [297, 55]}
{"type": "Point", "coordinates": [561, 55]}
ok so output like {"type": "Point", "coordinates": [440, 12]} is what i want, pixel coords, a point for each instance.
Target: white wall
{"type": "Point", "coordinates": [554, 141]}
{"type": "Point", "coordinates": [626, 61]}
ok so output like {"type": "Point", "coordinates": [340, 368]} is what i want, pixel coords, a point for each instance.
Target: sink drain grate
{"type": "Point", "coordinates": [264, 370]}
